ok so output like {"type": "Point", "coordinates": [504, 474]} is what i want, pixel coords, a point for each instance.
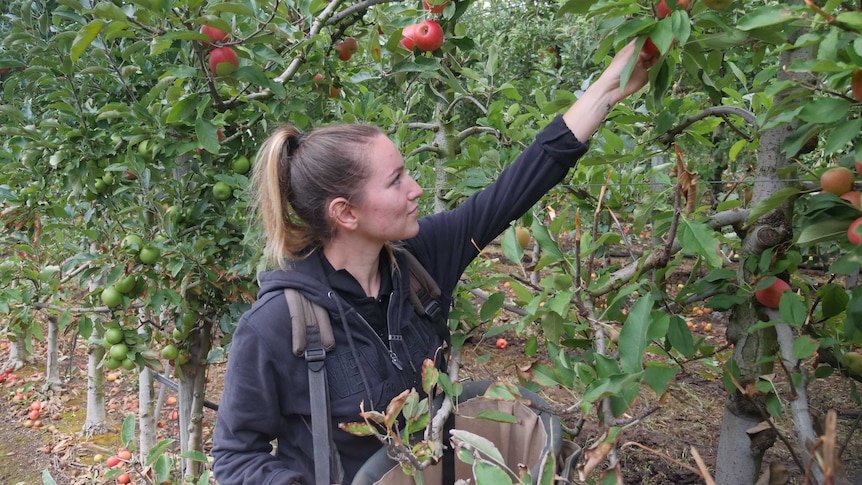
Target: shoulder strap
{"type": "Point", "coordinates": [303, 315]}
{"type": "Point", "coordinates": [425, 295]}
{"type": "Point", "coordinates": [312, 338]}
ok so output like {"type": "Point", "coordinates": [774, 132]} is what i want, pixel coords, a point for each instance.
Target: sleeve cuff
{"type": "Point", "coordinates": [560, 143]}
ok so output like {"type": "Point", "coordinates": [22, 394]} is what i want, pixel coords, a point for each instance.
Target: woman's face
{"type": "Point", "coordinates": [388, 207]}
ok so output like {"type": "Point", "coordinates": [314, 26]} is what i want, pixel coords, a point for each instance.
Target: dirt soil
{"type": "Point", "coordinates": [656, 448]}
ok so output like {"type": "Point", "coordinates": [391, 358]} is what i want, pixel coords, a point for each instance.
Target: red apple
{"type": "Point", "coordinates": [428, 35]}
{"type": "Point", "coordinates": [854, 197]}
{"type": "Point", "coordinates": [650, 48]}
{"type": "Point", "coordinates": [771, 295]}
{"type": "Point", "coordinates": [215, 34]}
{"type": "Point", "coordinates": [346, 48]}
{"type": "Point", "coordinates": [434, 8]}
{"type": "Point", "coordinates": [662, 9]}
{"type": "Point", "coordinates": [854, 235]}
{"type": "Point", "coordinates": [856, 85]}
{"type": "Point", "coordinates": [407, 36]}
{"type": "Point", "coordinates": [223, 61]}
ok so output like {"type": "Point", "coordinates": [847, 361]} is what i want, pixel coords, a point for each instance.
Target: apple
{"type": "Point", "coordinates": [650, 48]}
{"type": "Point", "coordinates": [334, 92]}
{"type": "Point", "coordinates": [428, 35]}
{"type": "Point", "coordinates": [223, 61]}
{"type": "Point", "coordinates": [854, 197]}
{"type": "Point", "coordinates": [837, 180]}
{"type": "Point", "coordinates": [523, 235]}
{"type": "Point", "coordinates": [502, 343]}
{"type": "Point", "coordinates": [346, 48]}
{"type": "Point", "coordinates": [771, 295]}
{"type": "Point", "coordinates": [662, 9]}
{"type": "Point", "coordinates": [438, 8]}
{"type": "Point", "coordinates": [856, 85]}
{"type": "Point", "coordinates": [407, 36]}
{"type": "Point", "coordinates": [215, 34]}
{"type": "Point", "coordinates": [853, 234]}
{"type": "Point", "coordinates": [853, 362]}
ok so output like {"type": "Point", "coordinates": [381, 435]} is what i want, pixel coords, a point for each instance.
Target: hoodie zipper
{"type": "Point", "coordinates": [392, 355]}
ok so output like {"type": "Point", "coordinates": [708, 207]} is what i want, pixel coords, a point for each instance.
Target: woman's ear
{"type": "Point", "coordinates": [341, 213]}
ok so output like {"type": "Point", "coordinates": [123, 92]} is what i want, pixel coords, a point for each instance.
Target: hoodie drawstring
{"type": "Point", "coordinates": [343, 317]}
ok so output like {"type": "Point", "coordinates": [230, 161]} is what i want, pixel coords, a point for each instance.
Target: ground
{"type": "Point", "coordinates": [656, 448]}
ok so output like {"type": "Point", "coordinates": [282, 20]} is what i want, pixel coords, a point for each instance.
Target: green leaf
{"type": "Point", "coordinates": [252, 75]}
{"type": "Point", "coordinates": [792, 310]}
{"type": "Point", "coordinates": [194, 455]}
{"type": "Point", "coordinates": [511, 248]}
{"type": "Point", "coordinates": [822, 231]}
{"type": "Point", "coordinates": [231, 7]}
{"type": "Point", "coordinates": [207, 135]}
{"type": "Point", "coordinates": [157, 451]}
{"type": "Point", "coordinates": [825, 110]}
{"type": "Point", "coordinates": [85, 38]}
{"type": "Point", "coordinates": [804, 347]}
{"type": "Point", "coordinates": [576, 7]}
{"type": "Point", "coordinates": [127, 433]}
{"type": "Point", "coordinates": [492, 305]}
{"type": "Point", "coordinates": [487, 474]}
{"type": "Point", "coordinates": [546, 243]}
{"type": "Point", "coordinates": [850, 19]}
{"type": "Point", "coordinates": [632, 340]}
{"type": "Point", "coordinates": [482, 444]}
{"type": "Point", "coordinates": [679, 336]}
{"type": "Point", "coordinates": [768, 16]}
{"type": "Point", "coordinates": [658, 375]}
{"type": "Point", "coordinates": [498, 416]}
{"type": "Point", "coordinates": [768, 205]}
{"type": "Point", "coordinates": [699, 239]}
{"type": "Point", "coordinates": [833, 299]}
{"type": "Point", "coordinates": [109, 11]}
{"type": "Point", "coordinates": [47, 479]}
{"type": "Point", "coordinates": [842, 134]}
{"type": "Point", "coordinates": [611, 386]}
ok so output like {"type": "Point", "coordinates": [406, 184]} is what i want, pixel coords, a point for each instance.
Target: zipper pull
{"type": "Point", "coordinates": [394, 359]}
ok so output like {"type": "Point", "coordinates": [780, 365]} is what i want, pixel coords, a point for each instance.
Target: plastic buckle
{"type": "Point", "coordinates": [315, 355]}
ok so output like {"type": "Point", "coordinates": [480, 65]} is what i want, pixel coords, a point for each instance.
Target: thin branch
{"type": "Point", "coordinates": [747, 116]}
{"type": "Point", "coordinates": [475, 130]}
{"type": "Point", "coordinates": [315, 29]}
{"type": "Point", "coordinates": [460, 99]}
{"type": "Point", "coordinates": [427, 148]}
{"type": "Point", "coordinates": [619, 277]}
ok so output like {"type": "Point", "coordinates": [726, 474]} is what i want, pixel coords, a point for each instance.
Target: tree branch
{"type": "Point", "coordinates": [747, 116]}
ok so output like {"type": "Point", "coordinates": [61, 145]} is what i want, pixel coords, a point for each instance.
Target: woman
{"type": "Point", "coordinates": [331, 202]}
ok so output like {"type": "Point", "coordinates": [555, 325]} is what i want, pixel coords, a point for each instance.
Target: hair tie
{"type": "Point", "coordinates": [293, 144]}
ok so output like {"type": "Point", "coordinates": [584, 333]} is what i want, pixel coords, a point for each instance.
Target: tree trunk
{"type": "Point", "coordinates": [740, 450]}
{"type": "Point", "coordinates": [96, 422]}
{"type": "Point", "coordinates": [18, 354]}
{"type": "Point", "coordinates": [192, 395]}
{"type": "Point", "coordinates": [52, 367]}
{"type": "Point", "coordinates": [146, 413]}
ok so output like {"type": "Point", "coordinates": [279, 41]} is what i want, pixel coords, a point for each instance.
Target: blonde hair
{"type": "Point", "coordinates": [295, 177]}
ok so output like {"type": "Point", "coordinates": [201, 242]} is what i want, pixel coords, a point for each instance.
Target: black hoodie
{"type": "Point", "coordinates": [266, 394]}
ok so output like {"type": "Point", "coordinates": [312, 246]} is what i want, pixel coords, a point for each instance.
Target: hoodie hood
{"type": "Point", "coordinates": [306, 275]}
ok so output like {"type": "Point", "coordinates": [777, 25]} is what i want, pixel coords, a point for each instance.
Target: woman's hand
{"type": "Point", "coordinates": [610, 78]}
{"type": "Point", "coordinates": [584, 117]}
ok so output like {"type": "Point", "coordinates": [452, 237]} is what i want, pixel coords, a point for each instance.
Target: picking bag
{"type": "Point", "coordinates": [525, 442]}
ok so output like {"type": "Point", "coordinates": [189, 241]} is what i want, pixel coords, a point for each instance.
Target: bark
{"type": "Point", "coordinates": [19, 356]}
{"type": "Point", "coordinates": [53, 365]}
{"type": "Point", "coordinates": [740, 454]}
{"type": "Point", "coordinates": [96, 422]}
{"type": "Point", "coordinates": [146, 413]}
{"type": "Point", "coordinates": [192, 395]}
